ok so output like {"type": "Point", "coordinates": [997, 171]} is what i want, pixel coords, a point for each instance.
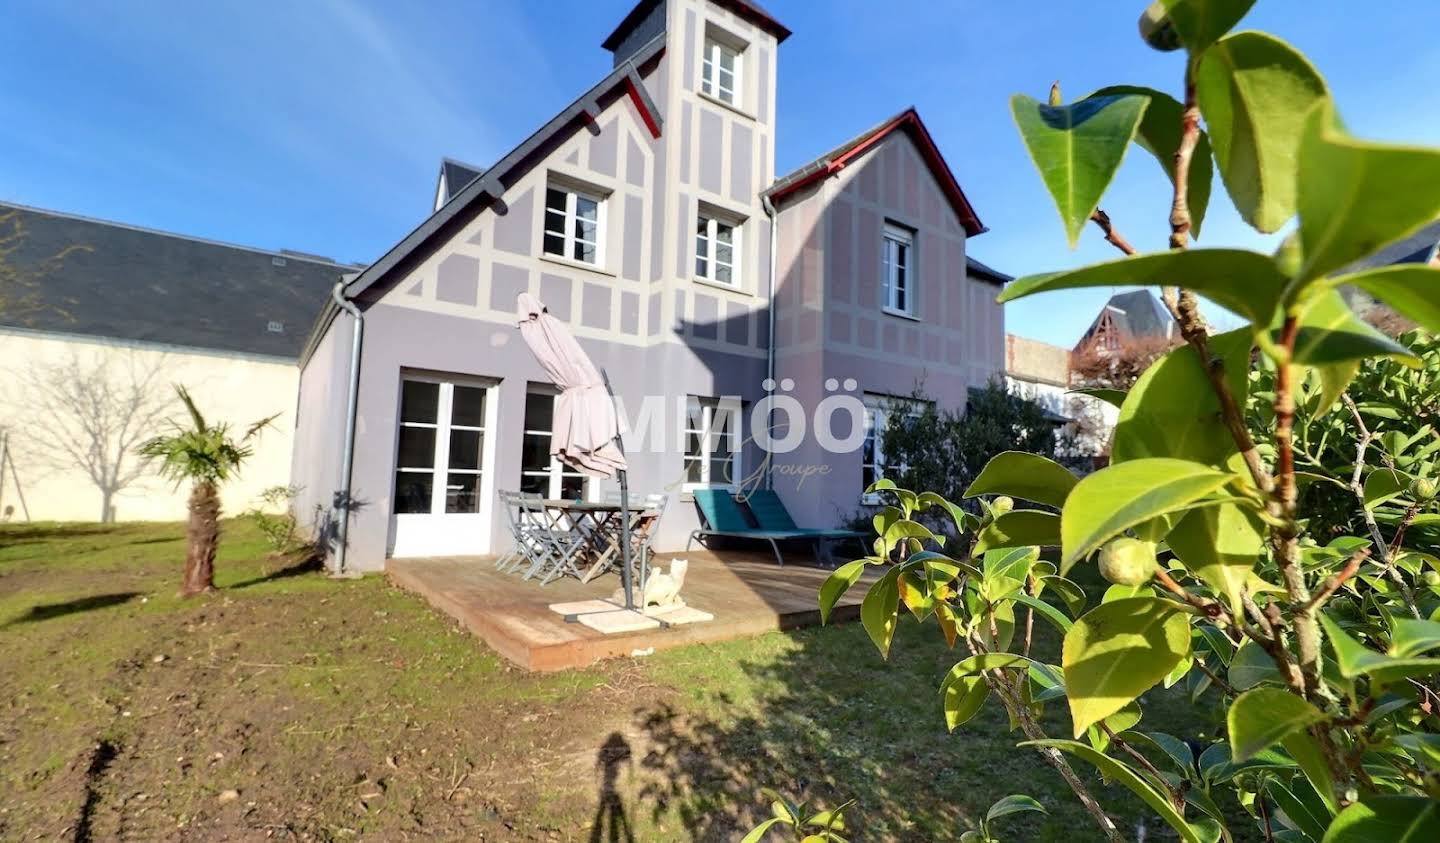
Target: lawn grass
{"type": "Point", "coordinates": [295, 706]}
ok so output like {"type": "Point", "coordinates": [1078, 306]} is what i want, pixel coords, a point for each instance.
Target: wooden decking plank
{"type": "Point", "coordinates": [748, 594]}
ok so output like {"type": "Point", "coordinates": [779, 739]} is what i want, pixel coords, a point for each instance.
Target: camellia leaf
{"type": "Point", "coordinates": [1411, 289]}
{"type": "Point", "coordinates": [1116, 498]}
{"type": "Point", "coordinates": [878, 610]}
{"type": "Point", "coordinates": [1029, 477]}
{"type": "Point", "coordinates": [1118, 651]}
{"type": "Point", "coordinates": [1355, 659]}
{"type": "Point", "coordinates": [837, 584]}
{"type": "Point", "coordinates": [1250, 666]}
{"type": "Point", "coordinates": [1413, 637]}
{"type": "Point", "coordinates": [1307, 753]}
{"type": "Point", "coordinates": [1262, 717]}
{"type": "Point", "coordinates": [1255, 92]}
{"type": "Point", "coordinates": [1393, 819]}
{"type": "Point", "coordinates": [1172, 410]}
{"type": "Point", "coordinates": [1356, 196]}
{"type": "Point", "coordinates": [1247, 283]}
{"type": "Point", "coordinates": [1200, 23]}
{"type": "Point", "coordinates": [1330, 333]}
{"type": "Point", "coordinates": [1159, 135]}
{"type": "Point", "coordinates": [758, 832]}
{"type": "Point", "coordinates": [1020, 528]}
{"type": "Point", "coordinates": [1077, 149]}
{"type": "Point", "coordinates": [1013, 804]}
{"type": "Point", "coordinates": [1384, 484]}
{"type": "Point", "coordinates": [1221, 545]}
{"type": "Point", "coordinates": [1115, 771]}
{"type": "Point", "coordinates": [1113, 397]}
{"type": "Point", "coordinates": [1048, 612]}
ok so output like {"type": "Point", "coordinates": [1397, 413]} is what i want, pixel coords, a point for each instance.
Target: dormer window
{"type": "Point", "coordinates": [573, 223]}
{"type": "Point", "coordinates": [720, 73]}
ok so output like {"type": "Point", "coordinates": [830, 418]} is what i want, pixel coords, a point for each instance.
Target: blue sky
{"type": "Point", "coordinates": [318, 125]}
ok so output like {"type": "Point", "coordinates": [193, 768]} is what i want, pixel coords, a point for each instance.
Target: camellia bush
{"type": "Point", "coordinates": [1325, 650]}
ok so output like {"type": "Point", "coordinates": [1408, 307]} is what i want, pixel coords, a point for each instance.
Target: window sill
{"type": "Point", "coordinates": [900, 314]}
{"type": "Point", "coordinates": [714, 100]}
{"type": "Point", "coordinates": [571, 263]}
{"type": "Point", "coordinates": [720, 285]}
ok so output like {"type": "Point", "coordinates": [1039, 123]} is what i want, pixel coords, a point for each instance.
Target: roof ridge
{"type": "Point", "coordinates": [275, 253]}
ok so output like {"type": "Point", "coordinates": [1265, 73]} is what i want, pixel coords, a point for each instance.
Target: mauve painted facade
{"type": "Point", "coordinates": [447, 310]}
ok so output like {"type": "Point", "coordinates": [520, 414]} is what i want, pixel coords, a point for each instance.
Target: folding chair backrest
{"type": "Point", "coordinates": [721, 511]}
{"type": "Point", "coordinates": [769, 511]}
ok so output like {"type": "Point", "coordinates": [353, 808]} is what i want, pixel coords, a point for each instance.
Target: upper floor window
{"type": "Point", "coordinates": [573, 223]}
{"type": "Point", "coordinates": [717, 249]}
{"type": "Point", "coordinates": [898, 280]}
{"type": "Point", "coordinates": [720, 72]}
{"type": "Point", "coordinates": [879, 410]}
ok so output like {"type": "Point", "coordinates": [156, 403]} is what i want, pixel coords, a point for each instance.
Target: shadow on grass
{"type": "Point", "coordinates": [307, 564]}
{"type": "Point", "coordinates": [47, 611]}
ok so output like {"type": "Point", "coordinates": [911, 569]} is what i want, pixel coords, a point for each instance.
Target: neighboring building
{"type": "Point", "coordinates": [1038, 371]}
{"type": "Point", "coordinates": [1422, 247]}
{"type": "Point", "coordinates": [1126, 318]}
{"type": "Point", "coordinates": [642, 216]}
{"type": "Point", "coordinates": [104, 319]}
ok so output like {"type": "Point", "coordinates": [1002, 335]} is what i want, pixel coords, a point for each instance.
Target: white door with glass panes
{"type": "Point", "coordinates": [443, 484]}
{"type": "Point", "coordinates": [541, 473]}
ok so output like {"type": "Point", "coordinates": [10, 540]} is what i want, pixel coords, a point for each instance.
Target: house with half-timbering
{"type": "Point", "coordinates": [648, 216]}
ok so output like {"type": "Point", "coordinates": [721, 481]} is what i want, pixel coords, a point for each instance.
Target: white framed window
{"type": "Point", "coordinates": [540, 472]}
{"type": "Point", "coordinates": [712, 443]}
{"type": "Point", "coordinates": [897, 270]}
{"type": "Point", "coordinates": [717, 248]}
{"type": "Point", "coordinates": [574, 224]}
{"type": "Point", "coordinates": [439, 462]}
{"type": "Point", "coordinates": [720, 71]}
{"type": "Point", "coordinates": [879, 410]}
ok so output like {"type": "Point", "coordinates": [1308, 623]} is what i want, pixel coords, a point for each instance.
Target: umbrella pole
{"type": "Point", "coordinates": [625, 538]}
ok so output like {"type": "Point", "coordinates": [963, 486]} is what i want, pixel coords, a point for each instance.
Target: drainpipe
{"type": "Point", "coordinates": [770, 311]}
{"type": "Point", "coordinates": [347, 459]}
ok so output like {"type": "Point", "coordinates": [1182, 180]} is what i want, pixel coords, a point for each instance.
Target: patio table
{"type": "Point", "coordinates": [601, 523]}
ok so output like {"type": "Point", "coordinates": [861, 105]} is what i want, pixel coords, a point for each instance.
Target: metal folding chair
{"type": "Point", "coordinates": [524, 545]}
{"type": "Point", "coordinates": [558, 546]}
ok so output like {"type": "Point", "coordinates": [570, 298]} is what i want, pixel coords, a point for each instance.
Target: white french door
{"type": "Point", "coordinates": [443, 481]}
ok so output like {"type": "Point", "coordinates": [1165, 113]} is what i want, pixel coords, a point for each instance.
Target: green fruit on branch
{"type": "Point", "coordinates": [1431, 578]}
{"type": "Point", "coordinates": [1422, 489]}
{"type": "Point", "coordinates": [1002, 505]}
{"type": "Point", "coordinates": [1127, 561]}
{"type": "Point", "coordinates": [1157, 30]}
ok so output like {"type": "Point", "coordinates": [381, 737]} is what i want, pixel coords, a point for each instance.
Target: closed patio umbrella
{"type": "Point", "coordinates": [586, 431]}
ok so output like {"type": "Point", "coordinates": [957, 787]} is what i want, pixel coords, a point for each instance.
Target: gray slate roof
{"type": "Point", "coordinates": [747, 9]}
{"type": "Point", "coordinates": [128, 283]}
{"type": "Point", "coordinates": [457, 175]}
{"type": "Point", "coordinates": [1136, 314]}
{"type": "Point", "coordinates": [1419, 247]}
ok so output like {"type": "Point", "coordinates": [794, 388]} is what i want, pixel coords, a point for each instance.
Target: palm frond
{"type": "Point", "coordinates": [189, 403]}
{"type": "Point", "coordinates": [202, 452]}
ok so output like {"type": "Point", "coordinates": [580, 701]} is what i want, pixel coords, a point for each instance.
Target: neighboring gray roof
{"type": "Point", "coordinates": [457, 175]}
{"type": "Point", "coordinates": [122, 282]}
{"type": "Point", "coordinates": [1419, 247]}
{"type": "Point", "coordinates": [747, 9]}
{"type": "Point", "coordinates": [980, 270]}
{"type": "Point", "coordinates": [1136, 314]}
{"type": "Point", "coordinates": [491, 185]}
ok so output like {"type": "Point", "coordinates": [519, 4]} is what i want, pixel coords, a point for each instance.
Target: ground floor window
{"type": "Point", "coordinates": [712, 443]}
{"type": "Point", "coordinates": [439, 460]}
{"type": "Point", "coordinates": [879, 409]}
{"type": "Point", "coordinates": [541, 473]}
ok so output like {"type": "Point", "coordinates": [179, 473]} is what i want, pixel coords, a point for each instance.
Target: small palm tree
{"type": "Point", "coordinates": [207, 456]}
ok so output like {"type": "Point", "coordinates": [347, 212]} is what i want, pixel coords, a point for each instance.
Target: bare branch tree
{"type": "Point", "coordinates": [92, 414]}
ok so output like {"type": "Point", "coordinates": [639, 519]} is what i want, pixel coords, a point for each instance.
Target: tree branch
{"type": "Point", "coordinates": [1189, 137]}
{"type": "Point", "coordinates": [1102, 219]}
{"type": "Point", "coordinates": [1333, 584]}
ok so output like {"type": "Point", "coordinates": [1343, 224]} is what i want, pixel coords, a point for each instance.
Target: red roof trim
{"type": "Point", "coordinates": [650, 122]}
{"type": "Point", "coordinates": [908, 119]}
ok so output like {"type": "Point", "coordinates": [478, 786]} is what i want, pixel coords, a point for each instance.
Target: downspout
{"type": "Point", "coordinates": [770, 334]}
{"type": "Point", "coordinates": [352, 400]}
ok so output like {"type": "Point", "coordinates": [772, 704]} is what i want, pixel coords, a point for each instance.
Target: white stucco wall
{"type": "Point", "coordinates": [227, 387]}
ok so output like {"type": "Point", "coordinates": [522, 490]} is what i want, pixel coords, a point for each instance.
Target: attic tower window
{"type": "Point", "coordinates": [720, 72]}
{"type": "Point", "coordinates": [573, 224]}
